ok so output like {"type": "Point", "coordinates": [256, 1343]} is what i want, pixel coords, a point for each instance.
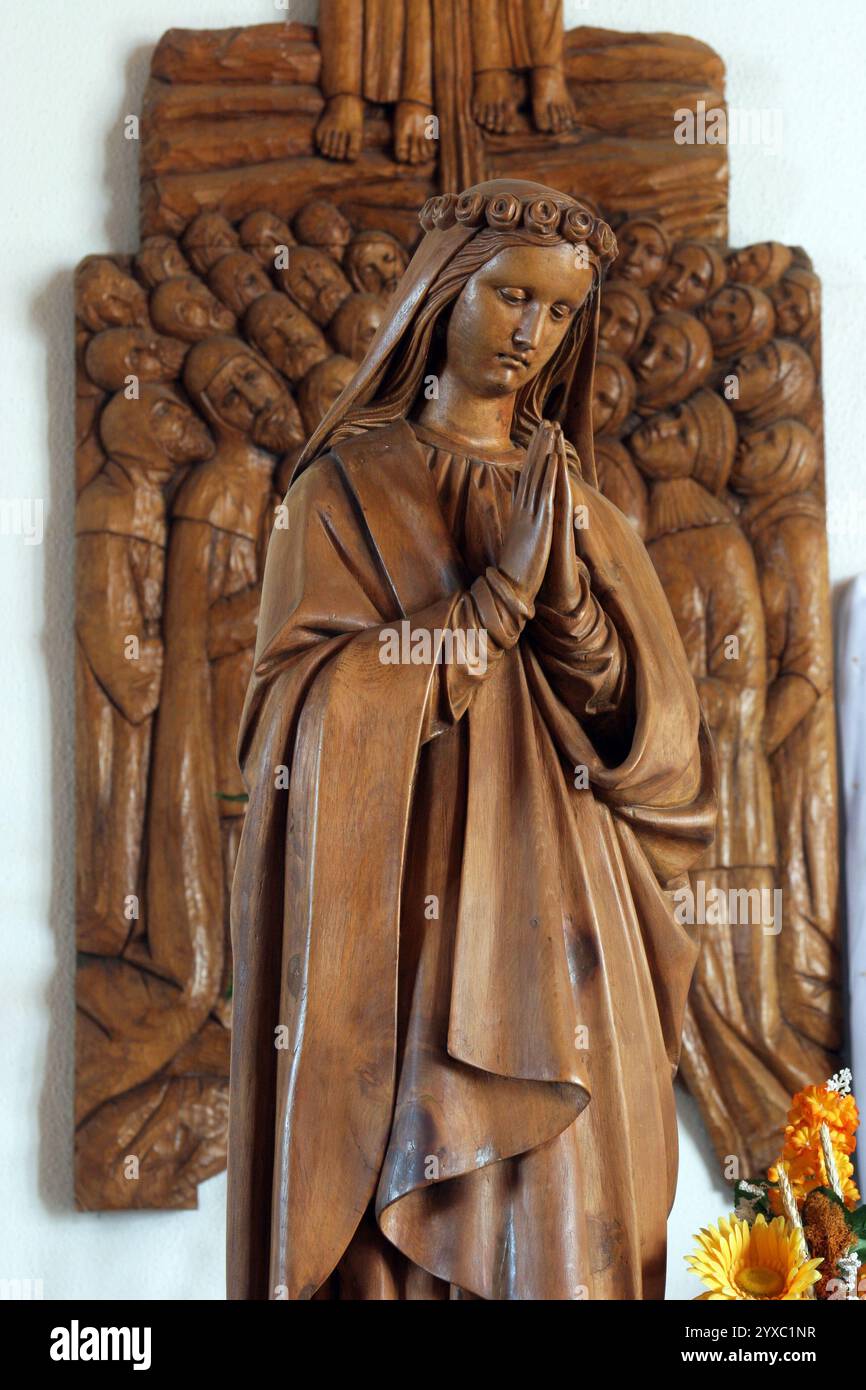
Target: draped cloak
{"type": "Point", "coordinates": [459, 983]}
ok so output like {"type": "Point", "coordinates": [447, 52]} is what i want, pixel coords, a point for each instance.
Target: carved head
{"type": "Point", "coordinates": [500, 295]}
{"type": "Point", "coordinates": [613, 394]}
{"type": "Point", "coordinates": [374, 262]}
{"type": "Point", "coordinates": [153, 434]}
{"type": "Point", "coordinates": [673, 360]}
{"type": "Point", "coordinates": [208, 237]}
{"type": "Point", "coordinates": [696, 439]}
{"type": "Point", "coordinates": [625, 315]}
{"type": "Point", "coordinates": [738, 319]}
{"type": "Point", "coordinates": [354, 325]}
{"type": "Point", "coordinates": [781, 458]}
{"type": "Point", "coordinates": [106, 297]}
{"type": "Point", "coordinates": [237, 279]}
{"type": "Point", "coordinates": [321, 387]}
{"type": "Point", "coordinates": [315, 282]}
{"type": "Point", "coordinates": [262, 234]}
{"type": "Point", "coordinates": [120, 353]}
{"type": "Point", "coordinates": [160, 258]}
{"type": "Point", "coordinates": [240, 394]}
{"type": "Point", "coordinates": [643, 251]}
{"type": "Point", "coordinates": [797, 301]}
{"type": "Point", "coordinates": [185, 308]}
{"type": "Point", "coordinates": [694, 272]}
{"type": "Point", "coordinates": [321, 224]}
{"type": "Point", "coordinates": [285, 335]}
{"type": "Point", "coordinates": [776, 381]}
{"type": "Point", "coordinates": [761, 264]}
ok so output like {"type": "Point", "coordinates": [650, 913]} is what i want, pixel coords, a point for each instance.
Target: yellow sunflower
{"type": "Point", "coordinates": [739, 1261]}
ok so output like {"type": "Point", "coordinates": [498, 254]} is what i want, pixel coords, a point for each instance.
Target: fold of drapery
{"type": "Point", "coordinates": [553, 920]}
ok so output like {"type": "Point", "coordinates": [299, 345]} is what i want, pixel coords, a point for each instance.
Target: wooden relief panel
{"type": "Point", "coordinates": [276, 217]}
{"type": "Point", "coordinates": [708, 425]}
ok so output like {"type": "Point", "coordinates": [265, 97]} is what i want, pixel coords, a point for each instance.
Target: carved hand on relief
{"type": "Point", "coordinates": [526, 547]}
{"type": "Point", "coordinates": [232, 623]}
{"type": "Point", "coordinates": [789, 700]}
{"type": "Point", "coordinates": [719, 702]}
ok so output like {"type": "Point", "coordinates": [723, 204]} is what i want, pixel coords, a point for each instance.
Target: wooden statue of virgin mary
{"type": "Point", "coordinates": [477, 770]}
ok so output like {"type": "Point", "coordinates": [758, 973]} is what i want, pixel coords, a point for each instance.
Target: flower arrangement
{"type": "Point", "coordinates": [799, 1233]}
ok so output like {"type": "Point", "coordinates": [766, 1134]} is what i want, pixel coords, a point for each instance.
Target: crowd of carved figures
{"type": "Point", "coordinates": [707, 419]}
{"type": "Point", "coordinates": [203, 364]}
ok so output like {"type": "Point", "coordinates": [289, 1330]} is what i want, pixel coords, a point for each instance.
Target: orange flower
{"type": "Point", "coordinates": [801, 1152]}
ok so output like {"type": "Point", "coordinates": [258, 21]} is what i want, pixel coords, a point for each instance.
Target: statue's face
{"type": "Point", "coordinates": [756, 373]}
{"type": "Point", "coordinates": [727, 314]}
{"type": "Point", "coordinates": [289, 340]}
{"type": "Point", "coordinates": [315, 282]}
{"type": "Point", "coordinates": [322, 387]}
{"type": "Point", "coordinates": [238, 279]}
{"type": "Point", "coordinates": [667, 444]}
{"type": "Point", "coordinates": [662, 357]}
{"type": "Point", "coordinates": [619, 320]}
{"type": "Point", "coordinates": [108, 298]}
{"type": "Point", "coordinates": [185, 308]}
{"type": "Point", "coordinates": [685, 280]}
{"type": "Point", "coordinates": [119, 353]}
{"type": "Point", "coordinates": [250, 400]}
{"type": "Point", "coordinates": [355, 324]}
{"type": "Point", "coordinates": [322, 224]}
{"type": "Point", "coordinates": [642, 253]}
{"type": "Point", "coordinates": [512, 315]}
{"type": "Point", "coordinates": [160, 258]}
{"type": "Point", "coordinates": [262, 233]}
{"type": "Point", "coordinates": [607, 396]}
{"type": "Point", "coordinates": [207, 239]}
{"type": "Point", "coordinates": [375, 263]}
{"type": "Point", "coordinates": [750, 264]}
{"type": "Point", "coordinates": [762, 451]}
{"type": "Point", "coordinates": [793, 309]}
{"type": "Point", "coordinates": [181, 433]}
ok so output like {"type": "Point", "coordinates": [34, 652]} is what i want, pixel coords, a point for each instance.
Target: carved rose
{"type": "Point", "coordinates": [542, 215]}
{"type": "Point", "coordinates": [503, 212]}
{"type": "Point", "coordinates": [578, 224]}
{"type": "Point", "coordinates": [469, 208]}
{"type": "Point", "coordinates": [606, 241]}
{"type": "Point", "coordinates": [443, 210]}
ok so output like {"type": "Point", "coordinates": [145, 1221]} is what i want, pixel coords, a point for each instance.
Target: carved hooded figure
{"type": "Point", "coordinates": [450, 912]}
{"type": "Point", "coordinates": [774, 473]}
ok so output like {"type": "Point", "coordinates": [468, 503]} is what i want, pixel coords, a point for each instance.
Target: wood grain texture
{"type": "Point", "coordinates": [160, 494]}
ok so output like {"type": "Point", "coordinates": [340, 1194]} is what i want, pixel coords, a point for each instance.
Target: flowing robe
{"type": "Point", "coordinates": [459, 984]}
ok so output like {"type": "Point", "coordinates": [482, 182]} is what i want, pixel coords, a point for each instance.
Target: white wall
{"type": "Point", "coordinates": [70, 72]}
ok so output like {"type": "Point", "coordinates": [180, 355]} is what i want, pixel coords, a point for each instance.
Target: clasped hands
{"type": "Point", "coordinates": [538, 552]}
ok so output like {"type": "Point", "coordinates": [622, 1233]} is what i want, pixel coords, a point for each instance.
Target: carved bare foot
{"type": "Point", "coordinates": [339, 134]}
{"type": "Point", "coordinates": [551, 105]}
{"type": "Point", "coordinates": [493, 104]}
{"type": "Point", "coordinates": [411, 144]}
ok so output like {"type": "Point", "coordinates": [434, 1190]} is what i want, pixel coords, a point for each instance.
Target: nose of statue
{"type": "Point", "coordinates": [528, 333]}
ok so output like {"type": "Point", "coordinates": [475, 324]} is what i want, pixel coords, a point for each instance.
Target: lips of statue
{"type": "Point", "coordinates": [512, 315]}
